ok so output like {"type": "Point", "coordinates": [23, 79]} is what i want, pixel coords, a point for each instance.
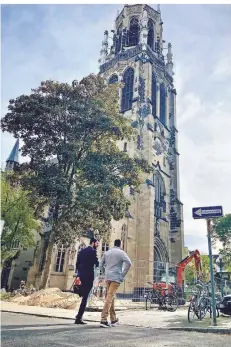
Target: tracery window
{"type": "Point", "coordinates": [113, 79]}
{"type": "Point", "coordinates": [150, 33]}
{"type": "Point", "coordinates": [134, 32]}
{"type": "Point", "coordinates": [127, 91]}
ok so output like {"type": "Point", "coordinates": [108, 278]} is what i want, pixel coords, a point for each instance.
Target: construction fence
{"type": "Point", "coordinates": [140, 279]}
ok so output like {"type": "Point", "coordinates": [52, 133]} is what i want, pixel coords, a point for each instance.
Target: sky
{"type": "Point", "coordinates": [63, 42]}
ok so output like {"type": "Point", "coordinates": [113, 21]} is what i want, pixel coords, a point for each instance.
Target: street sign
{"type": "Point", "coordinates": [207, 212]}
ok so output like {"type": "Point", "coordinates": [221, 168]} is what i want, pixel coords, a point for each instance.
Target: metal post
{"type": "Point", "coordinates": [222, 290]}
{"type": "Point", "coordinates": [211, 272]}
{"type": "Point", "coordinates": [167, 274]}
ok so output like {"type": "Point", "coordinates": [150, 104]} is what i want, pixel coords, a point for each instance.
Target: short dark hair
{"type": "Point", "coordinates": [92, 240]}
{"type": "Point", "coordinates": [117, 243]}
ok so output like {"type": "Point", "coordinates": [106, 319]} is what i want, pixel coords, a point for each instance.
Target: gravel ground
{"type": "Point", "coordinates": [27, 331]}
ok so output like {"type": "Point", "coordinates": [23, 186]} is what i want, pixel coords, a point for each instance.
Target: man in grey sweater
{"type": "Point", "coordinates": [116, 264]}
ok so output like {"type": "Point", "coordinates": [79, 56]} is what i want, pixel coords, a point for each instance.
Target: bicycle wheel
{"type": "Point", "coordinates": [193, 311]}
{"type": "Point", "coordinates": [203, 308]}
{"type": "Point", "coordinates": [171, 301]}
{"type": "Point", "coordinates": [148, 301]}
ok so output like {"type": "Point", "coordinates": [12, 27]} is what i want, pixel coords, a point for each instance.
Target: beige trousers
{"type": "Point", "coordinates": [109, 307]}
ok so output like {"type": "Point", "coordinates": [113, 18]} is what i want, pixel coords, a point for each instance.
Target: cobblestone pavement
{"type": "Point", "coordinates": [30, 331]}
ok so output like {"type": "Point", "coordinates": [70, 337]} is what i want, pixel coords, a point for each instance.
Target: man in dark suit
{"type": "Point", "coordinates": [86, 260]}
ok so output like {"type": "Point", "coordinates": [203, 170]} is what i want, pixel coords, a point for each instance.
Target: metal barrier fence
{"type": "Point", "coordinates": [140, 280]}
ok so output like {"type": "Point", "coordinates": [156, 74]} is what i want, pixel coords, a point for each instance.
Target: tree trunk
{"type": "Point", "coordinates": [47, 267]}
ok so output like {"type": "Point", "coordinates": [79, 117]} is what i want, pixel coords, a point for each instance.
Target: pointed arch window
{"type": "Point", "coordinates": [60, 259]}
{"type": "Point", "coordinates": [134, 32]}
{"type": "Point", "coordinates": [127, 91]}
{"type": "Point", "coordinates": [153, 94]}
{"type": "Point", "coordinates": [159, 203]}
{"type": "Point", "coordinates": [113, 79]}
{"type": "Point", "coordinates": [150, 34]}
{"type": "Point", "coordinates": [162, 104]}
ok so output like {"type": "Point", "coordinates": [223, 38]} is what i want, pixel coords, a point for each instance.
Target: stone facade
{"type": "Point", "coordinates": [155, 230]}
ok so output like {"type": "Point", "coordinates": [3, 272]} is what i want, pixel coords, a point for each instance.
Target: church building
{"type": "Point", "coordinates": [136, 54]}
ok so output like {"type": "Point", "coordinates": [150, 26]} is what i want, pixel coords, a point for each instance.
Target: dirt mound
{"type": "Point", "coordinates": [51, 297]}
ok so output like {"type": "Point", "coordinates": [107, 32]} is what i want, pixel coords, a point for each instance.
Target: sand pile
{"type": "Point", "coordinates": [50, 297]}
{"type": "Point", "coordinates": [53, 297]}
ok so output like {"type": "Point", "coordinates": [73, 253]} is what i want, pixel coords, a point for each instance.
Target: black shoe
{"type": "Point", "coordinates": [114, 323]}
{"type": "Point", "coordinates": [104, 325]}
{"type": "Point", "coordinates": [79, 321]}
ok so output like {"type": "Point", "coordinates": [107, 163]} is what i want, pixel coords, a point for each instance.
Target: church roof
{"type": "Point", "coordinates": [13, 157]}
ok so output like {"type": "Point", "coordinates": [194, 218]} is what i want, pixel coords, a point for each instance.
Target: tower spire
{"type": "Point", "coordinates": [13, 158]}
{"type": "Point", "coordinates": [169, 64]}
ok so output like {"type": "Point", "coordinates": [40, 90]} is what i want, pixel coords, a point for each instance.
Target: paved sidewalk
{"type": "Point", "coordinates": [139, 318]}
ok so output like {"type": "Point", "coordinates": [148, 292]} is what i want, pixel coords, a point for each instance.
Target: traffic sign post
{"type": "Point", "coordinates": [208, 213]}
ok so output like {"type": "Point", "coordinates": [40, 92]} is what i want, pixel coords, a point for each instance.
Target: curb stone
{"type": "Point", "coordinates": [192, 329]}
{"type": "Point", "coordinates": [203, 330]}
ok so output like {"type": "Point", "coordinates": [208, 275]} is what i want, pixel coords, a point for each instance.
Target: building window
{"type": "Point", "coordinates": [60, 259]}
{"type": "Point", "coordinates": [123, 236]}
{"type": "Point", "coordinates": [125, 147]}
{"type": "Point", "coordinates": [119, 39]}
{"type": "Point", "coordinates": [159, 203]}
{"type": "Point", "coordinates": [134, 32]}
{"type": "Point", "coordinates": [15, 244]}
{"type": "Point", "coordinates": [153, 94]}
{"type": "Point", "coordinates": [162, 104]}
{"type": "Point", "coordinates": [150, 34]}
{"type": "Point", "coordinates": [164, 161]}
{"type": "Point", "coordinates": [113, 79]}
{"type": "Point", "coordinates": [127, 91]}
{"type": "Point", "coordinates": [105, 247]}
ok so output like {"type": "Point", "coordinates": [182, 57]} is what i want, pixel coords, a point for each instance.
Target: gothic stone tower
{"type": "Point", "coordinates": [153, 227]}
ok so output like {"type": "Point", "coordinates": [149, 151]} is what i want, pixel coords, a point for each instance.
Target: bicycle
{"type": "Point", "coordinates": [205, 302]}
{"type": "Point", "coordinates": [194, 308]}
{"type": "Point", "coordinates": [154, 296]}
{"type": "Point", "coordinates": [200, 303]}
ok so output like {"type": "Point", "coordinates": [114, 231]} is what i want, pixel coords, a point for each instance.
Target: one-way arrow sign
{"type": "Point", "coordinates": [207, 212]}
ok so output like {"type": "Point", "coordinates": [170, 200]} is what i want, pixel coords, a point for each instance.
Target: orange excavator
{"type": "Point", "coordinates": [176, 275]}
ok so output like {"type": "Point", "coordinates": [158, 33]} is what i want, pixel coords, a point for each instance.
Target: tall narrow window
{"type": "Point", "coordinates": [159, 195]}
{"type": "Point", "coordinates": [59, 265]}
{"type": "Point", "coordinates": [153, 94]}
{"type": "Point", "coordinates": [162, 104]}
{"type": "Point", "coordinates": [134, 32]}
{"type": "Point", "coordinates": [150, 34]}
{"type": "Point", "coordinates": [125, 147]}
{"type": "Point", "coordinates": [119, 39]}
{"type": "Point", "coordinates": [113, 79]}
{"type": "Point", "coordinates": [127, 91]}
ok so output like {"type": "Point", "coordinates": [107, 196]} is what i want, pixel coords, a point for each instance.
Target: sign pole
{"type": "Point", "coordinates": [211, 272]}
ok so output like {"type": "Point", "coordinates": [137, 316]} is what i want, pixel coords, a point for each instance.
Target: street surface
{"type": "Point", "coordinates": [30, 331]}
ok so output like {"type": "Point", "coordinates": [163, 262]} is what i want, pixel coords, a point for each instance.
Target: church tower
{"type": "Point", "coordinates": [135, 54]}
{"type": "Point", "coordinates": [13, 159]}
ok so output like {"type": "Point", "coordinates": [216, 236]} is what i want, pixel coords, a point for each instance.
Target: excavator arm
{"type": "Point", "coordinates": [183, 263]}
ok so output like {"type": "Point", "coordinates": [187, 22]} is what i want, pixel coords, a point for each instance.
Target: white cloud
{"type": "Point", "coordinates": [222, 69]}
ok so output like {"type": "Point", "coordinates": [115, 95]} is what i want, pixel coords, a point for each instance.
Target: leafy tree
{"type": "Point", "coordinates": [19, 220]}
{"type": "Point", "coordinates": [70, 134]}
{"type": "Point", "coordinates": [222, 230]}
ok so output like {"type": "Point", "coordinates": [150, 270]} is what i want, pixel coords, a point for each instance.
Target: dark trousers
{"type": "Point", "coordinates": [86, 288]}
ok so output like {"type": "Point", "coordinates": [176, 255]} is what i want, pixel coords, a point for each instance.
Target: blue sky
{"type": "Point", "coordinates": [63, 42]}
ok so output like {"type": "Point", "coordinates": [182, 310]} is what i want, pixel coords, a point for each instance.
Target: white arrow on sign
{"type": "Point", "coordinates": [198, 212]}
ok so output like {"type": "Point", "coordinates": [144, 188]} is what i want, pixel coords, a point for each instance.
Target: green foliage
{"type": "Point", "coordinates": [70, 133]}
{"type": "Point", "coordinates": [222, 230]}
{"type": "Point", "coordinates": [190, 270]}
{"type": "Point", "coordinates": [19, 219]}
